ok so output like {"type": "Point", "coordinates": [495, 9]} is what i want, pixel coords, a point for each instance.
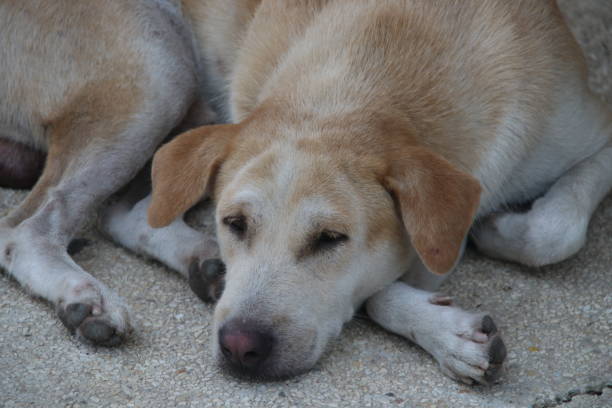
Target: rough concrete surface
{"type": "Point", "coordinates": [556, 322]}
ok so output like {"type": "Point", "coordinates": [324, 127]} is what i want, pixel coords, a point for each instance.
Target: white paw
{"type": "Point", "coordinates": [85, 306]}
{"type": "Point", "coordinates": [546, 234]}
{"type": "Point", "coordinates": [95, 313]}
{"type": "Point", "coordinates": [466, 345]}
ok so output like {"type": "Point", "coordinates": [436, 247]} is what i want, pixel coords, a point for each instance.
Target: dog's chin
{"type": "Point", "coordinates": [267, 372]}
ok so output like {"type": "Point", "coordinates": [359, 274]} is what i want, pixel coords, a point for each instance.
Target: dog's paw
{"type": "Point", "coordinates": [207, 279]}
{"type": "Point", "coordinates": [470, 348]}
{"type": "Point", "coordinates": [545, 234]}
{"type": "Point", "coordinates": [95, 314]}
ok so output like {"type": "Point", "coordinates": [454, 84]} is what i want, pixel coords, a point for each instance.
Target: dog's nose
{"type": "Point", "coordinates": [244, 345]}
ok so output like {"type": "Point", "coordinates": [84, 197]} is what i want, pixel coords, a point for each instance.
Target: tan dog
{"type": "Point", "coordinates": [368, 137]}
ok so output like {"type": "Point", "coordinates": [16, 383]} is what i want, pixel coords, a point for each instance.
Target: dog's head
{"type": "Point", "coordinates": [310, 223]}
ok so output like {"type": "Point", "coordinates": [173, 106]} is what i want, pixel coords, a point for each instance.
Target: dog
{"type": "Point", "coordinates": [366, 141]}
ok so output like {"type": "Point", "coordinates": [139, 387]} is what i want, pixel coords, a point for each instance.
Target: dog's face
{"type": "Point", "coordinates": [305, 241]}
{"type": "Point", "coordinates": [306, 233]}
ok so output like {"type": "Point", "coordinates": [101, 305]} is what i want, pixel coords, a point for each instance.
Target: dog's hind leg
{"type": "Point", "coordinates": [466, 345]}
{"type": "Point", "coordinates": [90, 157]}
{"type": "Point", "coordinates": [555, 227]}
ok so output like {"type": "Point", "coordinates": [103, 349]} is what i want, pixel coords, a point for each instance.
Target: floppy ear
{"type": "Point", "coordinates": [184, 169]}
{"type": "Point", "coordinates": [438, 203]}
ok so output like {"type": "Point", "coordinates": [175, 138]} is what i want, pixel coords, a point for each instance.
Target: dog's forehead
{"type": "Point", "coordinates": [290, 181]}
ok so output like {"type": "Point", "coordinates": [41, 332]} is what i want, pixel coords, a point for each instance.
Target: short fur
{"type": "Point", "coordinates": [396, 125]}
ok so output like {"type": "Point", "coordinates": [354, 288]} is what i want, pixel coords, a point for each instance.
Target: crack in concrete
{"type": "Point", "coordinates": [592, 389]}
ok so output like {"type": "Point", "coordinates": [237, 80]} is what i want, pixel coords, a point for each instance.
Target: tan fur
{"type": "Point", "coordinates": [219, 28]}
{"type": "Point", "coordinates": [438, 204]}
{"type": "Point", "coordinates": [436, 107]}
{"type": "Point", "coordinates": [97, 86]}
{"type": "Point", "coordinates": [482, 101]}
{"type": "Point", "coordinates": [395, 123]}
{"type": "Point", "coordinates": [181, 160]}
{"type": "Point", "coordinates": [367, 137]}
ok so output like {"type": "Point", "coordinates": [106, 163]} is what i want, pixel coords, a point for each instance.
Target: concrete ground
{"type": "Point", "coordinates": [556, 322]}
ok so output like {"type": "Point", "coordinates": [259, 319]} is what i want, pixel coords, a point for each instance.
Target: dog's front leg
{"type": "Point", "coordinates": [466, 345]}
{"type": "Point", "coordinates": [179, 246]}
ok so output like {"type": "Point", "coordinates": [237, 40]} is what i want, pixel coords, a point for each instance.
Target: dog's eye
{"type": "Point", "coordinates": [237, 224]}
{"type": "Point", "coordinates": [328, 240]}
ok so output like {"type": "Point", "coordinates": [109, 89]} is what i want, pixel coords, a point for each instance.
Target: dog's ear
{"type": "Point", "coordinates": [184, 170]}
{"type": "Point", "coordinates": [437, 202]}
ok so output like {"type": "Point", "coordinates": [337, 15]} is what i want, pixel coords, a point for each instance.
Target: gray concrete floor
{"type": "Point", "coordinates": [556, 322]}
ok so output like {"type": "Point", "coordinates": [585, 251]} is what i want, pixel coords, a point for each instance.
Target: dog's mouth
{"type": "Point", "coordinates": [275, 366]}
{"type": "Point", "coordinates": [254, 349]}
{"type": "Point", "coordinates": [262, 374]}
{"type": "Point", "coordinates": [260, 351]}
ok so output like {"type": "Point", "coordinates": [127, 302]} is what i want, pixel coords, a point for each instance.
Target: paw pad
{"type": "Point", "coordinates": [208, 279]}
{"type": "Point", "coordinates": [100, 332]}
{"type": "Point", "coordinates": [78, 318]}
{"type": "Point", "coordinates": [73, 315]}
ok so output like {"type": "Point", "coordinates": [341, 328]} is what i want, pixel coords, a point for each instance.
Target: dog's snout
{"type": "Point", "coordinates": [245, 346]}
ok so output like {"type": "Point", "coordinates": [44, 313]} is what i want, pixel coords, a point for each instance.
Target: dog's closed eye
{"type": "Point", "coordinates": [237, 224]}
{"type": "Point", "coordinates": [321, 242]}
{"type": "Point", "coordinates": [326, 240]}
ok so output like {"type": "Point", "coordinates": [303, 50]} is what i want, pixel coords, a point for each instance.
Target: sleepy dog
{"type": "Point", "coordinates": [367, 140]}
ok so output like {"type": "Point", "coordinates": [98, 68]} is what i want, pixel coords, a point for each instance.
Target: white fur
{"type": "Point", "coordinates": [46, 270]}
{"type": "Point", "coordinates": [177, 245]}
{"type": "Point", "coordinates": [555, 227]}
{"type": "Point", "coordinates": [47, 63]}
{"type": "Point", "coordinates": [311, 65]}
{"type": "Point", "coordinates": [451, 335]}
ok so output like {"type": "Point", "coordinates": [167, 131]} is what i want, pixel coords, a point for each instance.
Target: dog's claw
{"type": "Point", "coordinates": [441, 300]}
{"type": "Point", "coordinates": [497, 352]}
{"type": "Point", "coordinates": [497, 355]}
{"type": "Point", "coordinates": [488, 326]}
{"type": "Point", "coordinates": [207, 280]}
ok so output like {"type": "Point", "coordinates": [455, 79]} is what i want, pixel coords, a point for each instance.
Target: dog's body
{"type": "Point", "coordinates": [368, 137]}
{"type": "Point", "coordinates": [96, 85]}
